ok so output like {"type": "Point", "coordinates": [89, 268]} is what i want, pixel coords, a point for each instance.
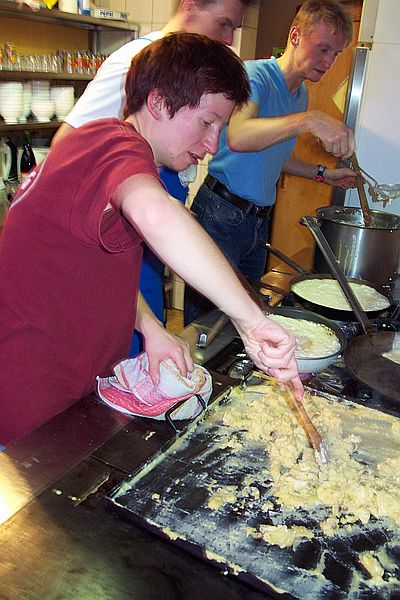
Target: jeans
{"type": "Point", "coordinates": [151, 286]}
{"type": "Point", "coordinates": [237, 235]}
{"type": "Point", "coordinates": [152, 273]}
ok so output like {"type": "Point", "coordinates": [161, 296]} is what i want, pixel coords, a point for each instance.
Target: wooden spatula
{"type": "Point", "coordinates": [313, 435]}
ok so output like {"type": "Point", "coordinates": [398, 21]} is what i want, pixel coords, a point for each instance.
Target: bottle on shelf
{"type": "Point", "coordinates": [27, 161]}
{"type": "Point", "coordinates": [4, 203]}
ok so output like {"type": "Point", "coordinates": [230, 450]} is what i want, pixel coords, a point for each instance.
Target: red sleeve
{"type": "Point", "coordinates": [119, 154]}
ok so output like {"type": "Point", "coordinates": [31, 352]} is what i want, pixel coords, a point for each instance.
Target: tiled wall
{"type": "Point", "coordinates": [152, 15]}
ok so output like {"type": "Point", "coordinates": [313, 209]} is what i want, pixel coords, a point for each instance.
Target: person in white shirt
{"type": "Point", "coordinates": [105, 97]}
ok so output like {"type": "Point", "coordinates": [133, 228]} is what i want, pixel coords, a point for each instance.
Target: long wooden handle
{"type": "Point", "coordinates": [361, 194]}
{"type": "Point", "coordinates": [312, 433]}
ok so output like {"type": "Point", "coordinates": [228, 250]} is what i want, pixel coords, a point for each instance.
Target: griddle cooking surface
{"type": "Point", "coordinates": [170, 495]}
{"type": "Point", "coordinates": [365, 361]}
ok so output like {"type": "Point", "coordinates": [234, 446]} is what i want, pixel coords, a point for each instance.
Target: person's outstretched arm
{"type": "Point", "coordinates": [175, 236]}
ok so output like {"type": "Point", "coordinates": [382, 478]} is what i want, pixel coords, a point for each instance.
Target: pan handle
{"type": "Point", "coordinates": [361, 193]}
{"type": "Point", "coordinates": [283, 257]}
{"type": "Point", "coordinates": [337, 272]}
{"type": "Point", "coordinates": [205, 339]}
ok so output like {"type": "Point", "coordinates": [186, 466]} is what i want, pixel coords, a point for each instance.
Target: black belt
{"type": "Point", "coordinates": [249, 208]}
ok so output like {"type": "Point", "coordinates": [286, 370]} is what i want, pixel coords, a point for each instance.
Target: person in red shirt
{"type": "Point", "coordinates": [77, 225]}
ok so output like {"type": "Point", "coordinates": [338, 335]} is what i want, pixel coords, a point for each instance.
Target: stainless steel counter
{"type": "Point", "coordinates": [58, 541]}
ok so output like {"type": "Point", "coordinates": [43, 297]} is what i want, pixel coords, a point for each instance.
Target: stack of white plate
{"type": "Point", "coordinates": [63, 97]}
{"type": "Point", "coordinates": [26, 102]}
{"type": "Point", "coordinates": [42, 106]}
{"type": "Point", "coordinates": [40, 90]}
{"type": "Point", "coordinates": [11, 101]}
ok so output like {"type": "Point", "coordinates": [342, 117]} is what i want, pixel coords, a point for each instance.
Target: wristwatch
{"type": "Point", "coordinates": [319, 178]}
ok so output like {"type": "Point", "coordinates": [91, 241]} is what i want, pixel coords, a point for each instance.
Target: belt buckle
{"type": "Point", "coordinates": [257, 209]}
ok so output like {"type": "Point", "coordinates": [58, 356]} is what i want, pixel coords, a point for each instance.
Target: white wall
{"type": "Point", "coordinates": [152, 15]}
{"type": "Point", "coordinates": [378, 130]}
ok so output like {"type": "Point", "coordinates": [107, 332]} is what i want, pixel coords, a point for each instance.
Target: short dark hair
{"type": "Point", "coordinates": [183, 67]}
{"type": "Point", "coordinates": [331, 12]}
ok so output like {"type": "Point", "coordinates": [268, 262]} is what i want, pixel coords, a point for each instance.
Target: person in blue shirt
{"type": "Point", "coordinates": [236, 198]}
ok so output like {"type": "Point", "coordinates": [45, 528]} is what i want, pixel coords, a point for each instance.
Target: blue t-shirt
{"type": "Point", "coordinates": [253, 175]}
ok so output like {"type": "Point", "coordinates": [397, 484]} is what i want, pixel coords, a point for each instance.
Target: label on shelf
{"type": "Point", "coordinates": [108, 13]}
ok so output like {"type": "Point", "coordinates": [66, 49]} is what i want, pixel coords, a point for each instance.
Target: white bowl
{"type": "Point", "coordinates": [11, 115]}
{"type": "Point", "coordinates": [42, 110]}
{"type": "Point", "coordinates": [11, 101]}
{"type": "Point", "coordinates": [63, 108]}
{"type": "Point", "coordinates": [62, 97]}
{"type": "Point", "coordinates": [43, 118]}
{"type": "Point", "coordinates": [41, 95]}
{"type": "Point", "coordinates": [62, 90]}
{"type": "Point", "coordinates": [11, 107]}
{"type": "Point", "coordinates": [69, 102]}
{"type": "Point", "coordinates": [10, 98]}
{"type": "Point", "coordinates": [8, 91]}
{"type": "Point", "coordinates": [11, 85]}
{"type": "Point", "coordinates": [40, 84]}
{"type": "Point", "coordinates": [62, 100]}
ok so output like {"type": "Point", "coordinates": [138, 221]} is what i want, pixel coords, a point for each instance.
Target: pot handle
{"type": "Point", "coordinates": [283, 257]}
{"type": "Point", "coordinates": [337, 272]}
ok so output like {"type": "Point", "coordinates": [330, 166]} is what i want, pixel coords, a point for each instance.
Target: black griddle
{"type": "Point", "coordinates": [169, 496]}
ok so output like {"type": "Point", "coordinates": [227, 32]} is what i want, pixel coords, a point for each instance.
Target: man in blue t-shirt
{"type": "Point", "coordinates": [237, 196]}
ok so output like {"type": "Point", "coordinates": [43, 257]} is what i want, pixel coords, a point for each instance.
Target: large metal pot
{"type": "Point", "coordinates": [369, 253]}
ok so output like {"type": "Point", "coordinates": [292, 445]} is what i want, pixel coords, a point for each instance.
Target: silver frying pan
{"type": "Point", "coordinates": [334, 314]}
{"type": "Point", "coordinates": [364, 354]}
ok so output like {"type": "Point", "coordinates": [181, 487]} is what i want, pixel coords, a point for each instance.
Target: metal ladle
{"type": "Point", "coordinates": [380, 192]}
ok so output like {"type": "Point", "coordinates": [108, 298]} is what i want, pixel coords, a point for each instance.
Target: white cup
{"type": "Point", "coordinates": [70, 6]}
{"type": "Point", "coordinates": [11, 114]}
{"type": "Point", "coordinates": [43, 110]}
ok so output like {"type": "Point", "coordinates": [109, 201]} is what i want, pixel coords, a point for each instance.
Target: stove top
{"type": "Point", "coordinates": [233, 363]}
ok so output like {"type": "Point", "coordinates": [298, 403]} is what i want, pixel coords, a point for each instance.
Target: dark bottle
{"type": "Point", "coordinates": [27, 161]}
{"type": "Point", "coordinates": [12, 175]}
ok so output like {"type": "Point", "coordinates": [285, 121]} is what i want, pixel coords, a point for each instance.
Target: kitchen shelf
{"type": "Point", "coordinates": [30, 125]}
{"type": "Point", "coordinates": [58, 17]}
{"type": "Point", "coordinates": [95, 28]}
{"type": "Point", "coordinates": [36, 75]}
